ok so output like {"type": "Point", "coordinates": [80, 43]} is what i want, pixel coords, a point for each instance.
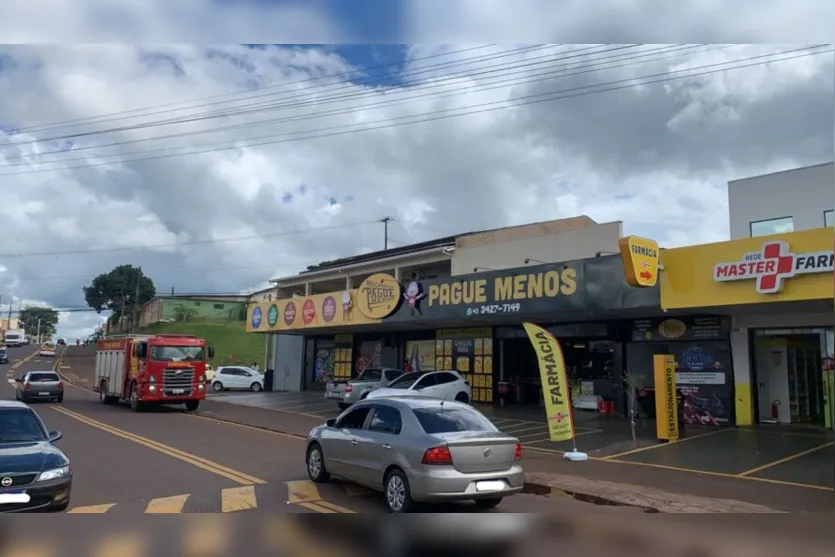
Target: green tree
{"type": "Point", "coordinates": [30, 315]}
{"type": "Point", "coordinates": [116, 291]}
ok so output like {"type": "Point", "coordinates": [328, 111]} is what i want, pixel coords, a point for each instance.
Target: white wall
{"type": "Point", "coordinates": [567, 245]}
{"type": "Point", "coordinates": [803, 193]}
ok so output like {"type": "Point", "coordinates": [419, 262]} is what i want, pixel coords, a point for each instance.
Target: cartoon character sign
{"type": "Point", "coordinates": [346, 306]}
{"type": "Point", "coordinates": [414, 294]}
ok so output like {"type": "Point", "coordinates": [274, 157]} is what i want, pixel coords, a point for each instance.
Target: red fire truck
{"type": "Point", "coordinates": [152, 369]}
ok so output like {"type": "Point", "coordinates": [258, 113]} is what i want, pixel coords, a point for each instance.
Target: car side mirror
{"type": "Point", "coordinates": [211, 351]}
{"type": "Point", "coordinates": [331, 422]}
{"type": "Point", "coordinates": [18, 380]}
{"type": "Point", "coordinates": [54, 436]}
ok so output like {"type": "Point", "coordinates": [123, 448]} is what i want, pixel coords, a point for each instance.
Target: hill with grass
{"type": "Point", "coordinates": [233, 345]}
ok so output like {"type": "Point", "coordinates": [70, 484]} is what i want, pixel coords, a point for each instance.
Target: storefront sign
{"type": "Point", "coordinates": [666, 403]}
{"type": "Point", "coordinates": [797, 266]}
{"type": "Point", "coordinates": [683, 328]}
{"type": "Point", "coordinates": [378, 296]}
{"type": "Point", "coordinates": [772, 265]}
{"type": "Point", "coordinates": [308, 312]}
{"type": "Point", "coordinates": [640, 260]}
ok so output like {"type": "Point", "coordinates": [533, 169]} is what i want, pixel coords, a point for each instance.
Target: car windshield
{"type": "Point", "coordinates": [177, 353]}
{"type": "Point", "coordinates": [405, 381]}
{"type": "Point", "coordinates": [20, 425]}
{"type": "Point", "coordinates": [371, 375]}
{"type": "Point", "coordinates": [44, 376]}
{"type": "Point", "coordinates": [447, 420]}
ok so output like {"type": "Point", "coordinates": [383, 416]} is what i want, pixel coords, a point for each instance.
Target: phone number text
{"type": "Point", "coordinates": [494, 308]}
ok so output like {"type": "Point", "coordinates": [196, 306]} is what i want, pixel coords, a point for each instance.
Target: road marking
{"type": "Point", "coordinates": [224, 421]}
{"type": "Point", "coordinates": [205, 464]}
{"type": "Point", "coordinates": [238, 499]}
{"type": "Point", "coordinates": [120, 545]}
{"type": "Point", "coordinates": [305, 493]}
{"type": "Point", "coordinates": [167, 505]}
{"type": "Point", "coordinates": [662, 445]}
{"type": "Point", "coordinates": [784, 460]}
{"type": "Point", "coordinates": [207, 538]}
{"type": "Point", "coordinates": [92, 509]}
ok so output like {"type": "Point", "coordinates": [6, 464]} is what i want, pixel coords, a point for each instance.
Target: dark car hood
{"type": "Point", "coordinates": [16, 458]}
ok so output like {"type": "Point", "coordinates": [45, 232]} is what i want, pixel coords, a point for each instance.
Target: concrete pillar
{"type": "Point", "coordinates": [397, 273]}
{"type": "Point", "coordinates": [349, 282]}
{"type": "Point", "coordinates": [308, 289]}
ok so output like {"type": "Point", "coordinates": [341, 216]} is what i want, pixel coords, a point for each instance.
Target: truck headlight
{"type": "Point", "coordinates": [54, 474]}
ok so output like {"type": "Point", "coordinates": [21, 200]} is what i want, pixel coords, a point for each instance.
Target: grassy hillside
{"type": "Point", "coordinates": [233, 345]}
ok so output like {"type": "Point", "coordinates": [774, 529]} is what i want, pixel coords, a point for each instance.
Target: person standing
{"type": "Point", "coordinates": [407, 367]}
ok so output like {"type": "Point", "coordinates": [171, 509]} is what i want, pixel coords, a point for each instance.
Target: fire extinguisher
{"type": "Point", "coordinates": [775, 410]}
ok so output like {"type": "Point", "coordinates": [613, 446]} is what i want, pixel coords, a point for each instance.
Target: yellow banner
{"type": "Point", "coordinates": [554, 383]}
{"type": "Point", "coordinates": [335, 309]}
{"type": "Point", "coordinates": [666, 405]}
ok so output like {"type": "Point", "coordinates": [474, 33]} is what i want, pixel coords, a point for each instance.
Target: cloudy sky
{"type": "Point", "coordinates": [218, 167]}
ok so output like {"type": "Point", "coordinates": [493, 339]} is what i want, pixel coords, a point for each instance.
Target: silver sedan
{"type": "Point", "coordinates": [418, 450]}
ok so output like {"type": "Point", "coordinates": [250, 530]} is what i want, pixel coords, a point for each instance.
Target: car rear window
{"type": "Point", "coordinates": [371, 374]}
{"type": "Point", "coordinates": [437, 420]}
{"type": "Point", "coordinates": [34, 377]}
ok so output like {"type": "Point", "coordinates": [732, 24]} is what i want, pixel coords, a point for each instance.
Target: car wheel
{"type": "Point", "coordinates": [491, 503]}
{"type": "Point", "coordinates": [217, 386]}
{"type": "Point", "coordinates": [59, 399]}
{"type": "Point", "coordinates": [316, 464]}
{"type": "Point", "coordinates": [255, 387]}
{"type": "Point", "coordinates": [397, 492]}
{"type": "Point", "coordinates": [462, 397]}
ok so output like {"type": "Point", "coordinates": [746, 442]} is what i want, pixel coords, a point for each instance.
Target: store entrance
{"type": "Point", "coordinates": [790, 374]}
{"type": "Point", "coordinates": [591, 363]}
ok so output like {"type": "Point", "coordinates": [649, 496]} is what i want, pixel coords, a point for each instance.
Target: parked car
{"type": "Point", "coordinates": [415, 449]}
{"type": "Point", "coordinates": [39, 385]}
{"type": "Point", "coordinates": [34, 473]}
{"type": "Point", "coordinates": [229, 378]}
{"type": "Point", "coordinates": [447, 385]}
{"type": "Point", "coordinates": [347, 392]}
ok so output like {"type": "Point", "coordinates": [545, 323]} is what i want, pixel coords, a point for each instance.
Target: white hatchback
{"type": "Point", "coordinates": [447, 385]}
{"type": "Point", "coordinates": [229, 378]}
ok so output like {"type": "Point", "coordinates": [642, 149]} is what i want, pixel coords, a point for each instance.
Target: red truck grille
{"type": "Point", "coordinates": [177, 381]}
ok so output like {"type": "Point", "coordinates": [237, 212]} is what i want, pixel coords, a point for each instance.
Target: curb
{"type": "Point", "coordinates": [538, 488]}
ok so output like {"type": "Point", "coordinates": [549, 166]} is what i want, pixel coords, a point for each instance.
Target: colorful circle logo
{"type": "Point", "coordinates": [289, 313]}
{"type": "Point", "coordinates": [328, 309]}
{"type": "Point", "coordinates": [256, 317]}
{"type": "Point", "coordinates": [308, 312]}
{"type": "Point", "coordinates": [272, 315]}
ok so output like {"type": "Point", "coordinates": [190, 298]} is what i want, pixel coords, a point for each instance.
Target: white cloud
{"type": "Point", "coordinates": [657, 157]}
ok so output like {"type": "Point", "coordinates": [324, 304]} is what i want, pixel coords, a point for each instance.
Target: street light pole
{"type": "Point", "coordinates": [38, 335]}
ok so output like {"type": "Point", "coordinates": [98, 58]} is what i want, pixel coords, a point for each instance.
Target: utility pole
{"type": "Point", "coordinates": [386, 221]}
{"type": "Point", "coordinates": [136, 308]}
{"type": "Point", "coordinates": [38, 335]}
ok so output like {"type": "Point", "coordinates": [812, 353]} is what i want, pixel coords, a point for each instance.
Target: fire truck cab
{"type": "Point", "coordinates": [152, 369]}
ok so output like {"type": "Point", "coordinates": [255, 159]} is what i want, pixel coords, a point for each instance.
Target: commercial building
{"type": "Point", "coordinates": [788, 201]}
{"type": "Point", "coordinates": [459, 303]}
{"type": "Point", "coordinates": [774, 283]}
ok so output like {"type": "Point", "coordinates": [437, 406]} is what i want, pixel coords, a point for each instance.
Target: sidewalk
{"type": "Point", "coordinates": [604, 482]}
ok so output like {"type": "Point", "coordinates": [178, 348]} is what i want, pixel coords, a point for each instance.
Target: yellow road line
{"type": "Point", "coordinates": [167, 505]}
{"type": "Point", "coordinates": [673, 444]}
{"type": "Point", "coordinates": [315, 507]}
{"type": "Point", "coordinates": [205, 464]}
{"type": "Point", "coordinates": [92, 509]}
{"type": "Point", "coordinates": [245, 426]}
{"type": "Point", "coordinates": [784, 460]}
{"type": "Point", "coordinates": [302, 491]}
{"type": "Point", "coordinates": [238, 499]}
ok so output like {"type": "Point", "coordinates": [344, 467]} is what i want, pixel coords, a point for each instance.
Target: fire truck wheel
{"type": "Point", "coordinates": [135, 405]}
{"type": "Point", "coordinates": [192, 405]}
{"type": "Point", "coordinates": [103, 393]}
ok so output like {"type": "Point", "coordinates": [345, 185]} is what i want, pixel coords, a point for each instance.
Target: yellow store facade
{"type": "Point", "coordinates": [778, 293]}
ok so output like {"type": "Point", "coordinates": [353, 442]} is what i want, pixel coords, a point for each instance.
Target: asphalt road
{"type": "Point", "coordinates": [167, 461]}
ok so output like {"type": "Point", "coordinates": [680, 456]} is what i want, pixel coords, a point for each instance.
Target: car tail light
{"type": "Point", "coordinates": [60, 384]}
{"type": "Point", "coordinates": [518, 455]}
{"type": "Point", "coordinates": [26, 386]}
{"type": "Point", "coordinates": [348, 388]}
{"type": "Point", "coordinates": [437, 456]}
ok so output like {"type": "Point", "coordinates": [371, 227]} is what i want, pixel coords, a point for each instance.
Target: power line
{"type": "Point", "coordinates": [620, 60]}
{"type": "Point", "coordinates": [121, 114]}
{"type": "Point", "coordinates": [476, 109]}
{"type": "Point", "coordinates": [260, 106]}
{"type": "Point", "coordinates": [191, 243]}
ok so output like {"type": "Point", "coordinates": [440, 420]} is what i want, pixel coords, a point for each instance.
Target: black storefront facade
{"type": "Point", "coordinates": [473, 324]}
